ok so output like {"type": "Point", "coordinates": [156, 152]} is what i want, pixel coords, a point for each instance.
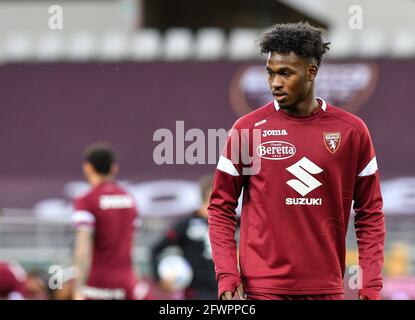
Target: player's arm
{"type": "Point", "coordinates": [82, 259]}
{"type": "Point", "coordinates": [227, 187]}
{"type": "Point", "coordinates": [369, 220]}
{"type": "Point", "coordinates": [84, 222]}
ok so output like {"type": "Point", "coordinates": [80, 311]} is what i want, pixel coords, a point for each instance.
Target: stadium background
{"type": "Point", "coordinates": [120, 70]}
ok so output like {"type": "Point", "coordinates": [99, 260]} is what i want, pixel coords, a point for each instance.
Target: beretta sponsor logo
{"type": "Point", "coordinates": [276, 150]}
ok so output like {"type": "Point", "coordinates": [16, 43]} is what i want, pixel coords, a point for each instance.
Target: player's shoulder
{"type": "Point", "coordinates": [107, 188]}
{"type": "Point", "coordinates": [346, 117]}
{"type": "Point", "coordinates": [84, 197]}
{"type": "Point", "coordinates": [91, 195]}
{"type": "Point", "coordinates": [114, 187]}
{"type": "Point", "coordinates": [249, 120]}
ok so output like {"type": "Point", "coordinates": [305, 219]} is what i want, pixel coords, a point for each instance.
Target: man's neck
{"type": "Point", "coordinates": [305, 108]}
{"type": "Point", "coordinates": [97, 180]}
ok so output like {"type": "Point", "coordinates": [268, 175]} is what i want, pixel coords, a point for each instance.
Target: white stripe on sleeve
{"type": "Point", "coordinates": [227, 166]}
{"type": "Point", "coordinates": [370, 169]}
{"type": "Point", "coordinates": [83, 217]}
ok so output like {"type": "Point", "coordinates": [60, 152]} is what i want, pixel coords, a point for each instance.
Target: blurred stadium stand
{"type": "Point", "coordinates": [183, 44]}
{"type": "Point", "coordinates": [210, 44]}
{"type": "Point", "coordinates": [145, 45]}
{"type": "Point", "coordinates": [38, 242]}
{"type": "Point", "coordinates": [117, 30]}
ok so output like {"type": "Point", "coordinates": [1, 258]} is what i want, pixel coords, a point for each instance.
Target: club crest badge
{"type": "Point", "coordinates": [332, 141]}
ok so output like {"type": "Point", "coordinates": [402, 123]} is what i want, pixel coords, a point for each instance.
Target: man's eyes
{"type": "Point", "coordinates": [282, 73]}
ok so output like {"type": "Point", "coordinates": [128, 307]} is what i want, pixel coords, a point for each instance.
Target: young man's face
{"type": "Point", "coordinates": [290, 78]}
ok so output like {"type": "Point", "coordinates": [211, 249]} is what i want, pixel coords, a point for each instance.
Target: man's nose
{"type": "Point", "coordinates": [277, 83]}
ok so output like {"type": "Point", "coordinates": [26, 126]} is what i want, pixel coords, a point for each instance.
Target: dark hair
{"type": "Point", "coordinates": [101, 156]}
{"type": "Point", "coordinates": [301, 38]}
{"type": "Point", "coordinates": [205, 184]}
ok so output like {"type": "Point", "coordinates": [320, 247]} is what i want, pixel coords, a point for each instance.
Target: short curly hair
{"type": "Point", "coordinates": [301, 38]}
{"type": "Point", "coordinates": [101, 156]}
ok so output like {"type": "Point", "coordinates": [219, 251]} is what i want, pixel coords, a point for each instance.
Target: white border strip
{"type": "Point", "coordinates": [371, 168]}
{"type": "Point", "coordinates": [276, 105]}
{"type": "Point", "coordinates": [83, 216]}
{"type": "Point", "coordinates": [227, 166]}
{"type": "Point", "coordinates": [323, 103]}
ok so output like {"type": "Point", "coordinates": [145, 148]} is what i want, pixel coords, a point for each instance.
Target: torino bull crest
{"type": "Point", "coordinates": [332, 141]}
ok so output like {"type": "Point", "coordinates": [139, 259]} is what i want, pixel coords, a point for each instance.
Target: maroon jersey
{"type": "Point", "coordinates": [297, 197]}
{"type": "Point", "coordinates": [12, 281]}
{"type": "Point", "coordinates": [110, 212]}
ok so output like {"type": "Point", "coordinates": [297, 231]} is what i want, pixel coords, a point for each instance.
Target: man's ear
{"type": "Point", "coordinates": [87, 168]}
{"type": "Point", "coordinates": [114, 169]}
{"type": "Point", "coordinates": [312, 72]}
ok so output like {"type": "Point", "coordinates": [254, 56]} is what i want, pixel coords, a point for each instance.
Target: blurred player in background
{"type": "Point", "coordinates": [191, 236]}
{"type": "Point", "coordinates": [105, 219]}
{"type": "Point", "coordinates": [16, 284]}
{"type": "Point", "coordinates": [313, 160]}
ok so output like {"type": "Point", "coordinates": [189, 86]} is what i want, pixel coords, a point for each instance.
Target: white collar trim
{"type": "Point", "coordinates": [323, 104]}
{"type": "Point", "coordinates": [277, 107]}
